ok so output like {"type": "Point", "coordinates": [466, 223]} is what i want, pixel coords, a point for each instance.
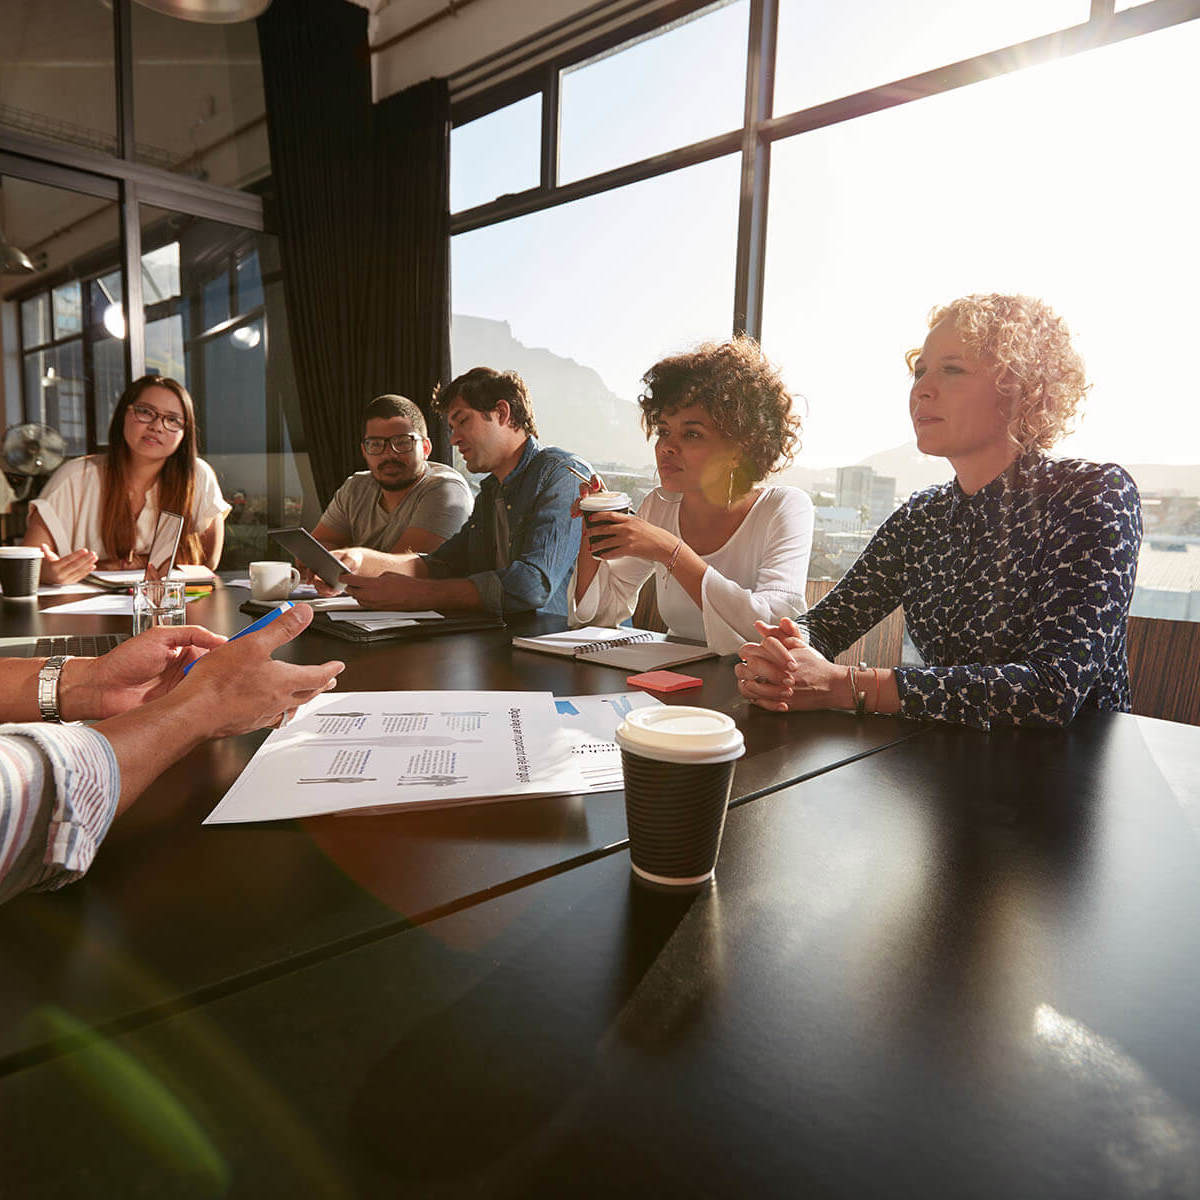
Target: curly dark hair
{"type": "Point", "coordinates": [742, 393]}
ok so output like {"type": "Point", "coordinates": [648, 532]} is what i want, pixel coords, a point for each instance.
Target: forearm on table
{"type": "Point", "coordinates": [877, 685]}
{"type": "Point", "coordinates": [18, 690]}
{"type": "Point", "coordinates": [439, 594]}
{"type": "Point", "coordinates": [147, 740]}
{"type": "Point", "coordinates": [1045, 690]}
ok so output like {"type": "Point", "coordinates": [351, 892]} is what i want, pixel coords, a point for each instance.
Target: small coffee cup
{"type": "Point", "coordinates": [594, 506]}
{"type": "Point", "coordinates": [20, 570]}
{"type": "Point", "coordinates": [678, 763]}
{"type": "Point", "coordinates": [272, 580]}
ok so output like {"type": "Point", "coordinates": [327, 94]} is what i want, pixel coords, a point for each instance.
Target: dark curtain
{"type": "Point", "coordinates": [363, 226]}
{"type": "Point", "coordinates": [409, 291]}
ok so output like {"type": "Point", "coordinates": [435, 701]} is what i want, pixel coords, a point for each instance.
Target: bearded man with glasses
{"type": "Point", "coordinates": [403, 502]}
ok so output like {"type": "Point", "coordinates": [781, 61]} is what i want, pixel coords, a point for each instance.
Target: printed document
{"type": "Point", "coordinates": [355, 751]}
{"type": "Point", "coordinates": [591, 724]}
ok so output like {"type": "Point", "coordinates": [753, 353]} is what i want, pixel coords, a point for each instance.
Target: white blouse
{"type": "Point", "coordinates": [70, 506]}
{"type": "Point", "coordinates": [757, 575]}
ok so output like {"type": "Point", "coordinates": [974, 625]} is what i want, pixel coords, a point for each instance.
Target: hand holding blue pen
{"type": "Point", "coordinates": [261, 623]}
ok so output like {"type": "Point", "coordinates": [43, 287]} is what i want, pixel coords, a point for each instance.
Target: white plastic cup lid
{"type": "Point", "coordinates": [681, 733]}
{"type": "Point", "coordinates": [604, 502]}
{"type": "Point", "coordinates": [20, 552]}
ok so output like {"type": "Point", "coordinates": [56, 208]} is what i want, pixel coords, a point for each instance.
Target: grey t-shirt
{"type": "Point", "coordinates": [439, 501]}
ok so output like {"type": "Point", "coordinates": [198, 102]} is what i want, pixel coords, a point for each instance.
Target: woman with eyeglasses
{"type": "Point", "coordinates": [100, 511]}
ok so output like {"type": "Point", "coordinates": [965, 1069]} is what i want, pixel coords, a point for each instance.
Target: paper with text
{"type": "Point", "coordinates": [353, 751]}
{"type": "Point", "coordinates": [591, 724]}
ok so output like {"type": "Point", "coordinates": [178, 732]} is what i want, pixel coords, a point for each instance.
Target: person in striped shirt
{"type": "Point", "coordinates": [61, 785]}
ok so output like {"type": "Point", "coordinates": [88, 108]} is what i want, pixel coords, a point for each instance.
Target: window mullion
{"type": "Point", "coordinates": [756, 162]}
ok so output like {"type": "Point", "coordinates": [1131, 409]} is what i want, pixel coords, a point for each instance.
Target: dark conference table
{"type": "Point", "coordinates": [173, 914]}
{"type": "Point", "coordinates": [948, 964]}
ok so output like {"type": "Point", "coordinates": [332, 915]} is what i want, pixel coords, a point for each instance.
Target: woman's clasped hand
{"type": "Point", "coordinates": [782, 673]}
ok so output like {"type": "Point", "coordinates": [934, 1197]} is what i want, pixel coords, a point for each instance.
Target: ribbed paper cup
{"type": "Point", "coordinates": [594, 506]}
{"type": "Point", "coordinates": [678, 763]}
{"type": "Point", "coordinates": [20, 570]}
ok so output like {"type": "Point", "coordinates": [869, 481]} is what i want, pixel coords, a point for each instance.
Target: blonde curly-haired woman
{"type": "Point", "coordinates": [1015, 578]}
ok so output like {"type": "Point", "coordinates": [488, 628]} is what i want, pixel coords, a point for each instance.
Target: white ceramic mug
{"type": "Point", "coordinates": [273, 580]}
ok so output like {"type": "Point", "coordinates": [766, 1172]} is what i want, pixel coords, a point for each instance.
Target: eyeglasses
{"type": "Point", "coordinates": [403, 444]}
{"type": "Point", "coordinates": [171, 422]}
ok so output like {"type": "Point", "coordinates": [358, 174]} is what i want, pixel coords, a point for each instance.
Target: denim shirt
{"type": "Point", "coordinates": [543, 538]}
{"type": "Point", "coordinates": [1016, 597]}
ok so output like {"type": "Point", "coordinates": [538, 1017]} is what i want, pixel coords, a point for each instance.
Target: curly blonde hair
{"type": "Point", "coordinates": [743, 394]}
{"type": "Point", "coordinates": [1039, 373]}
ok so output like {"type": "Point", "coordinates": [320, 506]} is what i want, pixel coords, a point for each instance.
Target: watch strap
{"type": "Point", "coordinates": [47, 687]}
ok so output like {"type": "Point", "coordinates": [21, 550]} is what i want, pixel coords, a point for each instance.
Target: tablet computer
{"type": "Point", "coordinates": [305, 549]}
{"type": "Point", "coordinates": [160, 562]}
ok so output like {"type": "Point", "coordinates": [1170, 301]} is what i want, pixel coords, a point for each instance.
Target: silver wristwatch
{"type": "Point", "coordinates": [47, 694]}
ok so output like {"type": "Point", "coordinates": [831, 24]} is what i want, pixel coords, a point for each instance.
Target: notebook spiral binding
{"type": "Point", "coordinates": [595, 647]}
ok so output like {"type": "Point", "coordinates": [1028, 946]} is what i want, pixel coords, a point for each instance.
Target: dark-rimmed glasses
{"type": "Point", "coordinates": [171, 422]}
{"type": "Point", "coordinates": [402, 443]}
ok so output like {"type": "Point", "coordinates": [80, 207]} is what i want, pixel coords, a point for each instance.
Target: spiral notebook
{"type": "Point", "coordinates": [633, 649]}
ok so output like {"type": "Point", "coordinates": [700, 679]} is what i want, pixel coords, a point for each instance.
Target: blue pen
{"type": "Point", "coordinates": [261, 623]}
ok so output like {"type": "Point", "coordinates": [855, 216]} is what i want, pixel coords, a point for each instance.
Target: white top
{"type": "Point", "coordinates": [757, 575]}
{"type": "Point", "coordinates": [70, 506]}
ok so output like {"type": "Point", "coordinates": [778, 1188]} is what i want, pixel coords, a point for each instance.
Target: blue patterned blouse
{"type": "Point", "coordinates": [1017, 596]}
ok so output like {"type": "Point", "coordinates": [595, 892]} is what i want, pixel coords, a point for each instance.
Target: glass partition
{"type": "Point", "coordinates": [57, 77]}
{"type": "Point", "coordinates": [198, 98]}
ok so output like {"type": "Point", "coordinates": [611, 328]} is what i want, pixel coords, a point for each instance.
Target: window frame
{"type": "Point", "coordinates": [761, 127]}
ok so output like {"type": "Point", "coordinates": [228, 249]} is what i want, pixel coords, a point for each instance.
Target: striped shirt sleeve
{"type": "Point", "coordinates": [59, 786]}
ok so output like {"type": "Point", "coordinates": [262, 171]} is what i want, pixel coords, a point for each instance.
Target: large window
{"type": "Point", "coordinates": [56, 71]}
{"type": "Point", "coordinates": [63, 343]}
{"type": "Point", "coordinates": [198, 98]}
{"type": "Point", "coordinates": [191, 290]}
{"type": "Point", "coordinates": [1055, 163]}
{"type": "Point", "coordinates": [582, 299]}
{"type": "Point", "coordinates": [691, 76]}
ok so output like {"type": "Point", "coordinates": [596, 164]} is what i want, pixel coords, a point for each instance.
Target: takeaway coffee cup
{"type": "Point", "coordinates": [678, 763]}
{"type": "Point", "coordinates": [273, 580]}
{"type": "Point", "coordinates": [20, 569]}
{"type": "Point", "coordinates": [594, 506]}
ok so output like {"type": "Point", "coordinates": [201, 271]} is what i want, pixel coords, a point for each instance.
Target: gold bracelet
{"type": "Point", "coordinates": [860, 698]}
{"type": "Point", "coordinates": [674, 556]}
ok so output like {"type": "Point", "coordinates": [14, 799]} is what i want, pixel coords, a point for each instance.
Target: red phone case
{"type": "Point", "coordinates": [664, 681]}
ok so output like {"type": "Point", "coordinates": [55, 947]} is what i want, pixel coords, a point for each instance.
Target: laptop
{"type": "Point", "coordinates": [159, 564]}
{"type": "Point", "coordinates": [77, 645]}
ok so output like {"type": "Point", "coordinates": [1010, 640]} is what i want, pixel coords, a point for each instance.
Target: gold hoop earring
{"type": "Point", "coordinates": [729, 501]}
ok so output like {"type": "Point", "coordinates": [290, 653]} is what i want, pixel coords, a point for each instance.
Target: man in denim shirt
{"type": "Point", "coordinates": [516, 551]}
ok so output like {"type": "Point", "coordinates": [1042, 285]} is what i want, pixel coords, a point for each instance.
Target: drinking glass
{"type": "Point", "coordinates": [158, 602]}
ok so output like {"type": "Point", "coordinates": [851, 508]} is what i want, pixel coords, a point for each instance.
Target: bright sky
{"type": "Point", "coordinates": [1075, 181]}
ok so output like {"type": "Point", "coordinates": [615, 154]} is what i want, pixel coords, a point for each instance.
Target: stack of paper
{"type": "Point", "coordinates": [384, 620]}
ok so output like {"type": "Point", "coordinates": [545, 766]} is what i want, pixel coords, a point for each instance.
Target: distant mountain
{"type": "Point", "coordinates": [913, 470]}
{"type": "Point", "coordinates": [1160, 477]}
{"type": "Point", "coordinates": [573, 407]}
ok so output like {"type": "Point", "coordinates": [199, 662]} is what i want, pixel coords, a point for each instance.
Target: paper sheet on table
{"type": "Point", "coordinates": [384, 620]}
{"type": "Point", "coordinates": [109, 604]}
{"type": "Point", "coordinates": [396, 751]}
{"type": "Point", "coordinates": [591, 724]}
{"type": "Point", "coordinates": [304, 591]}
{"type": "Point", "coordinates": [67, 589]}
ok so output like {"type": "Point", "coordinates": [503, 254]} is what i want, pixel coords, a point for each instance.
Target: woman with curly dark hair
{"type": "Point", "coordinates": [725, 550]}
